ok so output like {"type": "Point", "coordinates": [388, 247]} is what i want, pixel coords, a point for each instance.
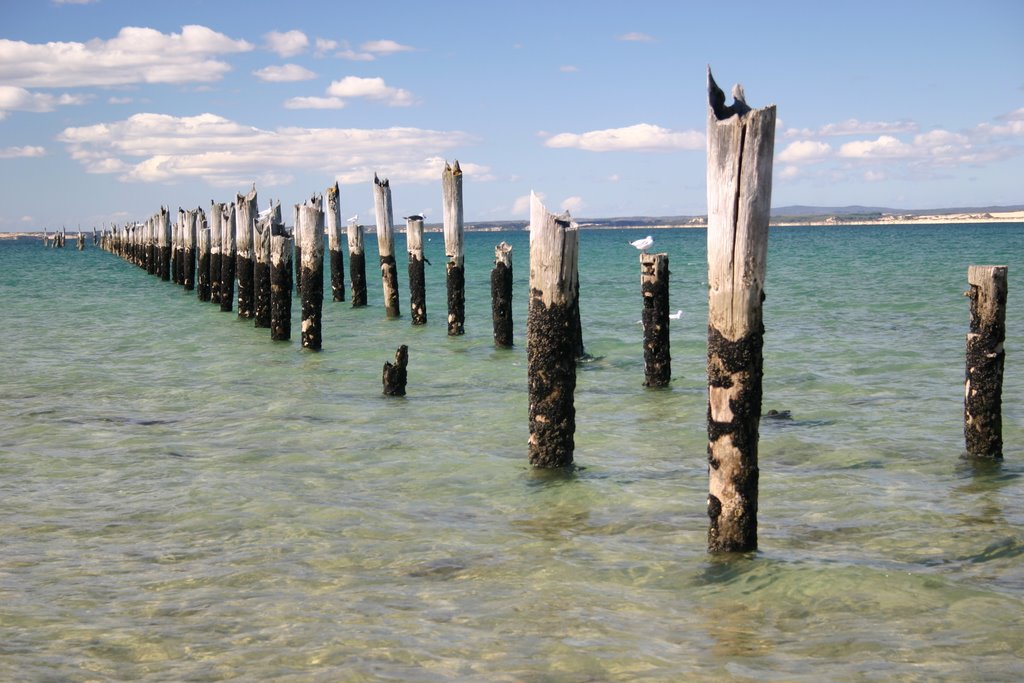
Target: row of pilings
{"type": "Point", "coordinates": [254, 249]}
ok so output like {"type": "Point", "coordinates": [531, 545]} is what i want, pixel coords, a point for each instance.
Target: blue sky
{"type": "Point", "coordinates": [110, 109]}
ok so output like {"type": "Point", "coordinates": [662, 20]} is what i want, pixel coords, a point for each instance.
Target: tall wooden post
{"type": "Point", "coordinates": [550, 347]}
{"type": "Point", "coordinates": [262, 230]}
{"type": "Point", "coordinates": [386, 244]}
{"type": "Point", "coordinates": [281, 246]}
{"type": "Point", "coordinates": [310, 231]}
{"type": "Point", "coordinates": [740, 145]}
{"type": "Point", "coordinates": [298, 250]}
{"type": "Point", "coordinates": [334, 243]}
{"type": "Point", "coordinates": [188, 244]}
{"type": "Point", "coordinates": [228, 255]}
{"type": "Point", "coordinates": [983, 385]}
{"type": "Point", "coordinates": [203, 275]}
{"type": "Point", "coordinates": [417, 278]}
{"type": "Point", "coordinates": [214, 217]}
{"type": "Point", "coordinates": [163, 241]}
{"type": "Point", "coordinates": [356, 263]}
{"type": "Point", "coordinates": [451, 192]}
{"type": "Point", "coordinates": [654, 288]}
{"type": "Point", "coordinates": [177, 237]}
{"type": "Point", "coordinates": [501, 295]}
{"type": "Point", "coordinates": [245, 216]}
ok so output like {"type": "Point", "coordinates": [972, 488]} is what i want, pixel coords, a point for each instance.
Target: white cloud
{"type": "Point", "coordinates": [119, 100]}
{"type": "Point", "coordinates": [285, 73]}
{"type": "Point", "coordinates": [573, 204]}
{"type": "Point", "coordinates": [162, 148]}
{"type": "Point", "coordinates": [322, 46]}
{"type": "Point", "coordinates": [640, 137]}
{"type": "Point", "coordinates": [371, 88]}
{"type": "Point", "coordinates": [568, 69]}
{"type": "Point", "coordinates": [22, 152]}
{"type": "Point", "coordinates": [287, 43]}
{"type": "Point", "coordinates": [314, 103]}
{"type": "Point", "coordinates": [354, 56]}
{"type": "Point", "coordinates": [855, 127]}
{"type": "Point", "coordinates": [789, 172]}
{"type": "Point", "coordinates": [13, 98]}
{"type": "Point", "coordinates": [136, 55]}
{"type": "Point", "coordinates": [885, 147]}
{"type": "Point", "coordinates": [805, 151]}
{"type": "Point", "coordinates": [384, 47]}
{"type": "Point", "coordinates": [636, 37]}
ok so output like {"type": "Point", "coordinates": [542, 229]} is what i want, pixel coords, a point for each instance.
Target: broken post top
{"type": "Point", "coordinates": [452, 216]}
{"type": "Point", "coordinates": [554, 245]}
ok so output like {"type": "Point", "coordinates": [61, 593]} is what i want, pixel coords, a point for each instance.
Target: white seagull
{"type": "Point", "coordinates": [353, 219]}
{"type": "Point", "coordinates": [644, 244]}
{"type": "Point", "coordinates": [675, 316]}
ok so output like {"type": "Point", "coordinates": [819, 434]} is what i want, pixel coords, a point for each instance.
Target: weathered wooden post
{"type": "Point", "coordinates": [386, 244]}
{"type": "Point", "coordinates": [152, 251]}
{"type": "Point", "coordinates": [395, 374]}
{"type": "Point", "coordinates": [334, 243]}
{"type": "Point", "coordinates": [281, 246]}
{"type": "Point", "coordinates": [298, 250]}
{"type": "Point", "coordinates": [550, 347]}
{"type": "Point", "coordinates": [163, 243]}
{"type": "Point", "coordinates": [310, 232]}
{"type": "Point", "coordinates": [356, 262]}
{"type": "Point", "coordinates": [417, 278]}
{"type": "Point", "coordinates": [228, 255]}
{"type": "Point", "coordinates": [188, 249]}
{"type": "Point", "coordinates": [983, 386]}
{"type": "Point", "coordinates": [654, 289]}
{"type": "Point", "coordinates": [177, 244]}
{"type": "Point", "coordinates": [245, 217]}
{"type": "Point", "coordinates": [203, 278]}
{"type": "Point", "coordinates": [501, 295]}
{"type": "Point", "coordinates": [81, 241]}
{"type": "Point", "coordinates": [214, 217]}
{"type": "Point", "coordinates": [262, 230]}
{"type": "Point", "coordinates": [740, 146]}
{"type": "Point", "coordinates": [451, 193]}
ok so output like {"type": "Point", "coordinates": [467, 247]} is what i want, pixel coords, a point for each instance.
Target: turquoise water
{"type": "Point", "coordinates": [185, 500]}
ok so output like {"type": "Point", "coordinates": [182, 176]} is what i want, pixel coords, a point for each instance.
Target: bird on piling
{"type": "Point", "coordinates": [354, 219]}
{"type": "Point", "coordinates": [644, 244]}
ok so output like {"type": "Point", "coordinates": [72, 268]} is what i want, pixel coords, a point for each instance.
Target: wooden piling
{"type": "Point", "coordinates": [262, 230]}
{"type": "Point", "coordinates": [203, 276]}
{"type": "Point", "coordinates": [356, 263]}
{"type": "Point", "coordinates": [740, 143]}
{"type": "Point", "coordinates": [983, 385]}
{"type": "Point", "coordinates": [451, 194]}
{"type": "Point", "coordinates": [245, 217]}
{"type": "Point", "coordinates": [417, 277]}
{"type": "Point", "coordinates": [281, 246]}
{"type": "Point", "coordinates": [310, 232]}
{"type": "Point", "coordinates": [188, 250]}
{"type": "Point", "coordinates": [214, 218]}
{"type": "Point", "coordinates": [654, 290]}
{"type": "Point", "coordinates": [177, 262]}
{"type": "Point", "coordinates": [501, 295]}
{"type": "Point", "coordinates": [298, 250]}
{"type": "Point", "coordinates": [333, 216]}
{"type": "Point", "coordinates": [163, 241]}
{"type": "Point", "coordinates": [395, 374]}
{"type": "Point", "coordinates": [228, 256]}
{"type": "Point", "coordinates": [386, 244]}
{"type": "Point", "coordinates": [550, 352]}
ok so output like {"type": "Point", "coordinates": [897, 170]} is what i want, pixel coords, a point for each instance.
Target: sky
{"type": "Point", "coordinates": [110, 109]}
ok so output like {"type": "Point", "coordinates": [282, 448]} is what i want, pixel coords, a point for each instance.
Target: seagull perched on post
{"type": "Point", "coordinates": [644, 244]}
{"type": "Point", "coordinates": [354, 219]}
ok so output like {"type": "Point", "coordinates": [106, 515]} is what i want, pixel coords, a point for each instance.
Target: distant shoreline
{"type": "Point", "coordinates": [701, 222]}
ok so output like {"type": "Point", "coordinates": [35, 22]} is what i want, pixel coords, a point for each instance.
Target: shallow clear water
{"type": "Point", "coordinates": [182, 499]}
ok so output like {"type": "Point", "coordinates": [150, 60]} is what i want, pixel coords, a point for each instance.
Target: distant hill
{"type": "Point", "coordinates": [857, 210]}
